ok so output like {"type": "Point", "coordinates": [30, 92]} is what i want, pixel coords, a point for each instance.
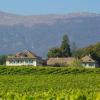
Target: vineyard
{"type": "Point", "coordinates": [43, 83]}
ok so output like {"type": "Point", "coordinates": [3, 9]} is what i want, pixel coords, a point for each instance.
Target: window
{"type": "Point", "coordinates": [30, 61]}
{"type": "Point", "coordinates": [10, 61]}
{"type": "Point", "coordinates": [91, 64]}
{"type": "Point", "coordinates": [26, 61]}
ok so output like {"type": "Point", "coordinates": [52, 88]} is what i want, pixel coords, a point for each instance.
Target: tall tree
{"type": "Point", "coordinates": [65, 47]}
{"type": "Point", "coordinates": [62, 51]}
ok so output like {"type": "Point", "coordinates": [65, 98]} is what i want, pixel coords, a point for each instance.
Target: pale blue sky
{"type": "Point", "coordinates": [30, 7]}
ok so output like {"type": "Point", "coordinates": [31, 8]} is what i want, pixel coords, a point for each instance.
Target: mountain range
{"type": "Point", "coordinates": [38, 33]}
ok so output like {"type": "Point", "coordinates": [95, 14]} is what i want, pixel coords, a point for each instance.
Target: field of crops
{"type": "Point", "coordinates": [42, 83]}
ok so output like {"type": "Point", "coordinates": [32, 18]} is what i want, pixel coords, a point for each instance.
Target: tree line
{"type": "Point", "coordinates": [65, 50]}
{"type": "Point", "coordinates": [93, 50]}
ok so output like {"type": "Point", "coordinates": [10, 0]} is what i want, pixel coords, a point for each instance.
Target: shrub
{"type": "Point", "coordinates": [76, 63]}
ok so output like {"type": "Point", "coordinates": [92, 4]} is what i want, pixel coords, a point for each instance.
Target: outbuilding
{"type": "Point", "coordinates": [89, 62]}
{"type": "Point", "coordinates": [66, 61]}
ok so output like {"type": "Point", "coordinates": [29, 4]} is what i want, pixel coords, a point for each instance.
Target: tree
{"type": "Point", "coordinates": [76, 63]}
{"type": "Point", "coordinates": [54, 52]}
{"type": "Point", "coordinates": [93, 50]}
{"type": "Point", "coordinates": [96, 52]}
{"type": "Point", "coordinates": [3, 59]}
{"type": "Point", "coordinates": [65, 47]}
{"type": "Point", "coordinates": [62, 51]}
{"type": "Point", "coordinates": [73, 48]}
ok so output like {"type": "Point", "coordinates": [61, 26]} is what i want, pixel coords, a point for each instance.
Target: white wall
{"type": "Point", "coordinates": [89, 65]}
{"type": "Point", "coordinates": [8, 63]}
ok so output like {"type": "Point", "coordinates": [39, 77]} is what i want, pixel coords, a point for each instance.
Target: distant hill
{"type": "Point", "coordinates": [40, 32]}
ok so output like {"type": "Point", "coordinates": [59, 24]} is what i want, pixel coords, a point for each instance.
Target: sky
{"type": "Point", "coordinates": [31, 7]}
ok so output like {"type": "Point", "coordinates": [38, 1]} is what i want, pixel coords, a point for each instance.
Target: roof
{"type": "Point", "coordinates": [52, 61]}
{"type": "Point", "coordinates": [24, 54]}
{"type": "Point", "coordinates": [87, 59]}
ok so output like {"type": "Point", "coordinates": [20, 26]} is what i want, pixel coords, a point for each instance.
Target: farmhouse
{"type": "Point", "coordinates": [24, 58]}
{"type": "Point", "coordinates": [88, 62]}
{"type": "Point", "coordinates": [60, 61]}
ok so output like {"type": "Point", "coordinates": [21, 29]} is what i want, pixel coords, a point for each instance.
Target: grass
{"type": "Point", "coordinates": [54, 82]}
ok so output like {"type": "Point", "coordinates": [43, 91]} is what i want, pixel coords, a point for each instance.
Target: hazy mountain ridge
{"type": "Point", "coordinates": [11, 19]}
{"type": "Point", "coordinates": [40, 32]}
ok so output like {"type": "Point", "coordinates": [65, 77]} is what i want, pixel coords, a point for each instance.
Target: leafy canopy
{"type": "Point", "coordinates": [62, 51]}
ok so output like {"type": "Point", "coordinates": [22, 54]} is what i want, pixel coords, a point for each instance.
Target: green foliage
{"type": "Point", "coordinates": [96, 52]}
{"type": "Point", "coordinates": [62, 51]}
{"type": "Point", "coordinates": [73, 48]}
{"type": "Point", "coordinates": [49, 95]}
{"type": "Point", "coordinates": [3, 59]}
{"type": "Point", "coordinates": [49, 83]}
{"type": "Point", "coordinates": [25, 70]}
{"type": "Point", "coordinates": [76, 63]}
{"type": "Point", "coordinates": [54, 52]}
{"type": "Point", "coordinates": [79, 53]}
{"type": "Point", "coordinates": [93, 50]}
{"type": "Point", "coordinates": [65, 47]}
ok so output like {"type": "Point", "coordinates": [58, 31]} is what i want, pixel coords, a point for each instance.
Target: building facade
{"type": "Point", "coordinates": [88, 62]}
{"type": "Point", "coordinates": [24, 58]}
